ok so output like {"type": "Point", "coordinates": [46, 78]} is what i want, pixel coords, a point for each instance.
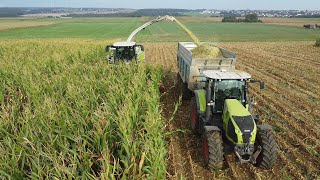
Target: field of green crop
{"type": "Point", "coordinates": [120, 28]}
{"type": "Point", "coordinates": [65, 113]}
{"type": "Point", "coordinates": [250, 32]}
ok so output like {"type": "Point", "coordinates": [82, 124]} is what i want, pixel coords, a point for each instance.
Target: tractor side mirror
{"type": "Point", "coordinates": [139, 46]}
{"type": "Point", "coordinates": [142, 48]}
{"type": "Point", "coordinates": [261, 85]}
{"type": "Point", "coordinates": [257, 81]}
{"type": "Point", "coordinates": [107, 48]}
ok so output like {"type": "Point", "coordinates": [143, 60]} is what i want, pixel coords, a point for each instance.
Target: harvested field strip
{"type": "Point", "coordinates": [304, 52]}
{"type": "Point", "coordinates": [239, 171]}
{"type": "Point", "coordinates": [284, 64]}
{"type": "Point", "coordinates": [293, 170]}
{"type": "Point", "coordinates": [314, 64]}
{"type": "Point", "coordinates": [295, 151]}
{"type": "Point", "coordinates": [280, 83]}
{"type": "Point", "coordinates": [285, 73]}
{"type": "Point", "coordinates": [15, 24]}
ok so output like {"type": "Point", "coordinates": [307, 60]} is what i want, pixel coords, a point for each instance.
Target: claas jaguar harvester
{"type": "Point", "coordinates": [129, 51]}
{"type": "Point", "coordinates": [222, 110]}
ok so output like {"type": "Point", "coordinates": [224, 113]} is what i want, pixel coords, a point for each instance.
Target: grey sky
{"type": "Point", "coordinates": [188, 4]}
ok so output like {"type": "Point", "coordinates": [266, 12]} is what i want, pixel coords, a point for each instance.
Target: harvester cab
{"type": "Point", "coordinates": [125, 52]}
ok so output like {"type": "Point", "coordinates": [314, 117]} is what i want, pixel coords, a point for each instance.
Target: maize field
{"type": "Point", "coordinates": [65, 113]}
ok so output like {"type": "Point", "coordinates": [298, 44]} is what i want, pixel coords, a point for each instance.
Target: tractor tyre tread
{"type": "Point", "coordinates": [216, 156]}
{"type": "Point", "coordinates": [269, 153]}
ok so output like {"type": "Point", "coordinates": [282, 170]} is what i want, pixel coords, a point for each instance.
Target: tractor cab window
{"type": "Point", "coordinates": [227, 89]}
{"type": "Point", "coordinates": [125, 53]}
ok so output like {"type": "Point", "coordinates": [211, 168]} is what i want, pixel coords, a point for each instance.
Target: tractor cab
{"type": "Point", "coordinates": [125, 52]}
{"type": "Point", "coordinates": [226, 85]}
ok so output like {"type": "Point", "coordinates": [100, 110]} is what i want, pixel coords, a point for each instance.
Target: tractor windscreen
{"type": "Point", "coordinates": [125, 53]}
{"type": "Point", "coordinates": [227, 89]}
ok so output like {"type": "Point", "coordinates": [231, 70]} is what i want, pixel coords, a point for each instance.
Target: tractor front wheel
{"type": "Point", "coordinates": [213, 150]}
{"type": "Point", "coordinates": [269, 154]}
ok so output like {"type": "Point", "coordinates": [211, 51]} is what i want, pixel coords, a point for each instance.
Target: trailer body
{"type": "Point", "coordinates": [191, 69]}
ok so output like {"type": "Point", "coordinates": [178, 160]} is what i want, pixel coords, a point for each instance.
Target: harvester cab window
{"type": "Point", "coordinates": [125, 53]}
{"type": "Point", "coordinates": [227, 89]}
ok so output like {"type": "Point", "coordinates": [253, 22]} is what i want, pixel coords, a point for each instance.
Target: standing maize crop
{"type": "Point", "coordinates": [65, 113]}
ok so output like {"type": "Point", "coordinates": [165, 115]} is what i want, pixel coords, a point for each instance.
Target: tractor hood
{"type": "Point", "coordinates": [239, 123]}
{"type": "Point", "coordinates": [235, 108]}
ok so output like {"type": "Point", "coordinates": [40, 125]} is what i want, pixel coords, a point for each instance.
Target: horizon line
{"type": "Point", "coordinates": [160, 8]}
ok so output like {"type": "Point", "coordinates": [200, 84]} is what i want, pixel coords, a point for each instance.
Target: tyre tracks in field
{"type": "Point", "coordinates": [281, 71]}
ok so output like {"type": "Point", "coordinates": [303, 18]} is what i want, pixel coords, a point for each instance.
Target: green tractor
{"type": "Point", "coordinates": [222, 110]}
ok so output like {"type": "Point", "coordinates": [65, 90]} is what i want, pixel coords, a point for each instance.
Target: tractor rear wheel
{"type": "Point", "coordinates": [194, 117]}
{"type": "Point", "coordinates": [213, 150]}
{"type": "Point", "coordinates": [269, 154]}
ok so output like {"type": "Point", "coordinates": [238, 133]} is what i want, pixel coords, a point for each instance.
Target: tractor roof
{"type": "Point", "coordinates": [124, 44]}
{"type": "Point", "coordinates": [226, 74]}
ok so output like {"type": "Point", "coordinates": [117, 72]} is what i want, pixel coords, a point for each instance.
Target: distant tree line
{"type": "Point", "coordinates": [138, 13]}
{"type": "Point", "coordinates": [102, 15]}
{"type": "Point", "coordinates": [307, 16]}
{"type": "Point", "coordinates": [250, 18]}
{"type": "Point", "coordinates": [10, 12]}
{"type": "Point", "coordinates": [160, 12]}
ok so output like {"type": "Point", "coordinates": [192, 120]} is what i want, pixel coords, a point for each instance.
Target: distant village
{"type": "Point", "coordinates": [263, 13]}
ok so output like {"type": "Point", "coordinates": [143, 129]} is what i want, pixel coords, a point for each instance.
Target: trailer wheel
{"type": "Point", "coordinates": [269, 154]}
{"type": "Point", "coordinates": [178, 82]}
{"type": "Point", "coordinates": [194, 117]}
{"type": "Point", "coordinates": [186, 93]}
{"type": "Point", "coordinates": [213, 150]}
{"type": "Point", "coordinates": [183, 88]}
